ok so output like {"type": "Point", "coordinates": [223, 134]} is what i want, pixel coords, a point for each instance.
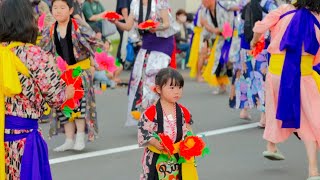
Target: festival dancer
{"type": "Point", "coordinates": [155, 53]}
{"type": "Point", "coordinates": [250, 71]}
{"type": "Point", "coordinates": [28, 80]}
{"type": "Point", "coordinates": [292, 88]}
{"type": "Point", "coordinates": [75, 43]}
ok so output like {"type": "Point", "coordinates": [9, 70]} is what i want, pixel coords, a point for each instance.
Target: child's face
{"type": "Point", "coordinates": [172, 94]}
{"type": "Point", "coordinates": [61, 11]}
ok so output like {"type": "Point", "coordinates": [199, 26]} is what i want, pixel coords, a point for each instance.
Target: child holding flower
{"type": "Point", "coordinates": [165, 122]}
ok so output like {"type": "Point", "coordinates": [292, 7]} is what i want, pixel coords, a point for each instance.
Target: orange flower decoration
{"type": "Point", "coordinates": [112, 15]}
{"type": "Point", "coordinates": [191, 146]}
{"type": "Point", "coordinates": [149, 24]}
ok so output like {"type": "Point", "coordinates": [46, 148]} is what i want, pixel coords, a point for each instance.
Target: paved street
{"type": "Point", "coordinates": [236, 154]}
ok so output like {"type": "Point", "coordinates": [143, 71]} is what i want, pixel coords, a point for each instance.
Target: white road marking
{"type": "Point", "coordinates": [135, 146]}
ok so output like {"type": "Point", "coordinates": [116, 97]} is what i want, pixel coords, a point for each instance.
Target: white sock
{"type": "Point", "coordinates": [68, 144]}
{"type": "Point", "coordinates": [80, 143]}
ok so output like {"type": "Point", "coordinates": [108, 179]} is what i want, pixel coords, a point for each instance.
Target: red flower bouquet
{"type": "Point", "coordinates": [258, 48]}
{"type": "Point", "coordinates": [111, 15]}
{"type": "Point", "coordinates": [192, 146]}
{"type": "Point", "coordinates": [166, 142]}
{"type": "Point", "coordinates": [72, 77]}
{"type": "Point", "coordinates": [149, 24]}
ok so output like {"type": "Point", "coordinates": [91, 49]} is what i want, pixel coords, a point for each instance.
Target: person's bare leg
{"type": "Point", "coordinates": [69, 142]}
{"type": "Point", "coordinates": [80, 137]}
{"type": "Point", "coordinates": [311, 148]}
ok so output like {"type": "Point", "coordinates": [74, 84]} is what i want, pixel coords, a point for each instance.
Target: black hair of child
{"type": "Point", "coordinates": [169, 75]}
{"type": "Point", "coordinates": [69, 2]}
{"type": "Point", "coordinates": [17, 22]}
{"type": "Point", "coordinates": [312, 5]}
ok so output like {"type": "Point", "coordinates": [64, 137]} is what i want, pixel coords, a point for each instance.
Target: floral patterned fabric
{"type": "Point", "coordinates": [250, 74]}
{"type": "Point", "coordinates": [44, 86]}
{"type": "Point", "coordinates": [145, 131]}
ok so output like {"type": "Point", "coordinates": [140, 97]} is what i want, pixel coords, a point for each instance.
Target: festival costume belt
{"type": "Point", "coordinates": [277, 61]}
{"type": "Point", "coordinates": [84, 64]}
{"type": "Point", "coordinates": [188, 169]}
{"type": "Point", "coordinates": [10, 66]}
{"type": "Point", "coordinates": [35, 161]}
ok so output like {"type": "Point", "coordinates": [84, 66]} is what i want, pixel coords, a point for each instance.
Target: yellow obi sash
{"type": "Point", "coordinates": [10, 85]}
{"type": "Point", "coordinates": [194, 51]}
{"type": "Point", "coordinates": [84, 64]}
{"type": "Point", "coordinates": [277, 61]}
{"type": "Point", "coordinates": [188, 169]}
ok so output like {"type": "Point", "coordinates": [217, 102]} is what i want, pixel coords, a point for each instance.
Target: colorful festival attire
{"type": "Point", "coordinates": [292, 87]}
{"type": "Point", "coordinates": [154, 55]}
{"type": "Point", "coordinates": [28, 80]}
{"type": "Point", "coordinates": [77, 49]}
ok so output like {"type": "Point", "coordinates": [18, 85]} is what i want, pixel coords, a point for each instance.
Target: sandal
{"type": "Point", "coordinates": [273, 156]}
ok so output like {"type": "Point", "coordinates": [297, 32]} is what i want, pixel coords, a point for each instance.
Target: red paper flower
{"type": "Point", "coordinates": [258, 48]}
{"type": "Point", "coordinates": [191, 146]}
{"type": "Point", "coordinates": [167, 143]}
{"type": "Point", "coordinates": [112, 15]}
{"type": "Point", "coordinates": [149, 24]}
{"type": "Point", "coordinates": [67, 76]}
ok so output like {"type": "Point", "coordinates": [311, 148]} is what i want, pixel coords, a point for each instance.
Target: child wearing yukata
{"type": "Point", "coordinates": [292, 87]}
{"type": "Point", "coordinates": [154, 55]}
{"type": "Point", "coordinates": [75, 43]}
{"type": "Point", "coordinates": [28, 80]}
{"type": "Point", "coordinates": [167, 117]}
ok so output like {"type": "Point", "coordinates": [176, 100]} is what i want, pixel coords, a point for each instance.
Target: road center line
{"type": "Point", "coordinates": [135, 146]}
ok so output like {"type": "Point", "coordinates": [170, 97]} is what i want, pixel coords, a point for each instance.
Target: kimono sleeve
{"type": "Point", "coordinates": [45, 75]}
{"type": "Point", "coordinates": [145, 131]}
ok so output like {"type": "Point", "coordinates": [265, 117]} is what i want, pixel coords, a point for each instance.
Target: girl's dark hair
{"type": "Point", "coordinates": [17, 21]}
{"type": "Point", "coordinates": [167, 74]}
{"type": "Point", "coordinates": [69, 2]}
{"type": "Point", "coordinates": [312, 5]}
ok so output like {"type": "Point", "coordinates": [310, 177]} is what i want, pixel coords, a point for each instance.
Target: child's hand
{"type": "Point", "coordinates": [156, 144]}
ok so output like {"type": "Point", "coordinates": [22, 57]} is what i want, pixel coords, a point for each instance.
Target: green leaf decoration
{"type": "Point", "coordinates": [182, 160]}
{"type": "Point", "coordinates": [155, 135]}
{"type": "Point", "coordinates": [163, 158]}
{"type": "Point", "coordinates": [118, 64]}
{"type": "Point", "coordinates": [67, 111]}
{"type": "Point", "coordinates": [189, 133]}
{"type": "Point", "coordinates": [76, 72]}
{"type": "Point", "coordinates": [206, 151]}
{"type": "Point", "coordinates": [99, 50]}
{"type": "Point", "coordinates": [56, 54]}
